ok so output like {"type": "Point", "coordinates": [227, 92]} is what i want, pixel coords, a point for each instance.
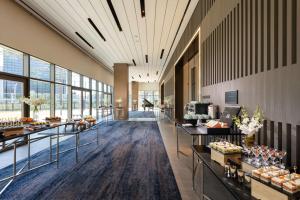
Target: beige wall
{"type": "Point", "coordinates": [24, 32]}
{"type": "Point", "coordinates": [121, 88]}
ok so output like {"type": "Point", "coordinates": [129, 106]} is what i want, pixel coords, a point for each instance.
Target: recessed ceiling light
{"type": "Point", "coordinates": [96, 29]}
{"type": "Point", "coordinates": [142, 2]}
{"type": "Point", "coordinates": [146, 56]}
{"type": "Point", "coordinates": [134, 62]}
{"type": "Point", "coordinates": [82, 38]}
{"type": "Point", "coordinates": [162, 53]}
{"type": "Point", "coordinates": [113, 12]}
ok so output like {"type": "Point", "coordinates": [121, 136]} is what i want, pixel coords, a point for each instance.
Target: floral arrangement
{"type": "Point", "coordinates": [247, 125]}
{"type": "Point", "coordinates": [35, 102]}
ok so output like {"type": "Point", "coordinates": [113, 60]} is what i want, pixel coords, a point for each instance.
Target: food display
{"type": "Point", "coordinates": [225, 147]}
{"type": "Point", "coordinates": [39, 123]}
{"type": "Point", "coordinates": [292, 186]}
{"type": "Point", "coordinates": [53, 119]}
{"type": "Point", "coordinates": [280, 178]}
{"type": "Point", "coordinates": [216, 124]}
{"type": "Point", "coordinates": [26, 120]}
{"type": "Point", "coordinates": [278, 181]}
{"type": "Point", "coordinates": [90, 119]}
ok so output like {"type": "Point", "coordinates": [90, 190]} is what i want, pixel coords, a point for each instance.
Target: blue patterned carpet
{"type": "Point", "coordinates": [130, 163]}
{"type": "Point", "coordinates": [141, 114]}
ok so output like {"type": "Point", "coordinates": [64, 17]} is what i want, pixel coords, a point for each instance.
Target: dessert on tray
{"type": "Point", "coordinates": [292, 186]}
{"type": "Point", "coordinates": [225, 147]}
{"type": "Point", "coordinates": [53, 119]}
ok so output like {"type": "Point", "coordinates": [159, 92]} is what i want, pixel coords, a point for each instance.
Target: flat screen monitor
{"type": "Point", "coordinates": [201, 108]}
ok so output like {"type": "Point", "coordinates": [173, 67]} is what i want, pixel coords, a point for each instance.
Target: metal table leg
{"type": "Point", "coordinates": [57, 148]}
{"type": "Point", "coordinates": [193, 169]}
{"type": "Point", "coordinates": [15, 159]}
{"type": "Point", "coordinates": [50, 146]}
{"type": "Point", "coordinates": [28, 139]}
{"type": "Point", "coordinates": [76, 146]}
{"type": "Point", "coordinates": [98, 127]}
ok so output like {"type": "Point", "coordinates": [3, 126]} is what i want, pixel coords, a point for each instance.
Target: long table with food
{"type": "Point", "coordinates": [32, 131]}
{"type": "Point", "coordinates": [221, 165]}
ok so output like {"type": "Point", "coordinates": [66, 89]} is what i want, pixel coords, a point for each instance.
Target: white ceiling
{"type": "Point", "coordinates": [140, 36]}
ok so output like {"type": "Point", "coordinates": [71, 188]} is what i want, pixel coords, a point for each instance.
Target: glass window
{"type": "Point", "coordinates": [61, 75]}
{"type": "Point", "coordinates": [94, 103]}
{"type": "Point", "coordinates": [94, 84]}
{"type": "Point", "coordinates": [86, 82]}
{"type": "Point", "coordinates": [61, 101]}
{"type": "Point", "coordinates": [39, 69]}
{"type": "Point", "coordinates": [76, 104]}
{"type": "Point", "coordinates": [108, 89]}
{"type": "Point", "coordinates": [100, 86]}
{"type": "Point", "coordinates": [104, 88]}
{"type": "Point", "coordinates": [100, 103]}
{"type": "Point", "coordinates": [75, 79]}
{"type": "Point", "coordinates": [10, 93]}
{"type": "Point", "coordinates": [41, 89]}
{"type": "Point", "coordinates": [86, 103]}
{"type": "Point", "coordinates": [11, 61]}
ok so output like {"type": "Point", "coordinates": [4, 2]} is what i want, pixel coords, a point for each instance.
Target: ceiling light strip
{"type": "Point", "coordinates": [162, 53]}
{"type": "Point", "coordinates": [82, 38]}
{"type": "Point", "coordinates": [96, 29]}
{"type": "Point", "coordinates": [142, 3]}
{"type": "Point", "coordinates": [113, 12]}
{"type": "Point", "coordinates": [134, 62]}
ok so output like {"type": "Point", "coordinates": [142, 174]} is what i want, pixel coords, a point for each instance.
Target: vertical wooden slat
{"type": "Point", "coordinates": [265, 133]}
{"type": "Point", "coordinates": [284, 33]}
{"type": "Point", "coordinates": [242, 37]}
{"type": "Point", "coordinates": [256, 36]}
{"type": "Point", "coordinates": [288, 144]}
{"type": "Point", "coordinates": [251, 37]}
{"type": "Point", "coordinates": [262, 34]}
{"type": "Point", "coordinates": [228, 48]}
{"type": "Point", "coordinates": [238, 41]}
{"type": "Point", "coordinates": [268, 34]}
{"type": "Point", "coordinates": [298, 145]}
{"type": "Point", "coordinates": [231, 49]}
{"type": "Point", "coordinates": [279, 147]}
{"type": "Point", "coordinates": [272, 134]}
{"type": "Point", "coordinates": [223, 49]}
{"type": "Point", "coordinates": [246, 36]}
{"type": "Point", "coordinates": [234, 43]}
{"type": "Point", "coordinates": [276, 34]}
{"type": "Point", "coordinates": [294, 31]}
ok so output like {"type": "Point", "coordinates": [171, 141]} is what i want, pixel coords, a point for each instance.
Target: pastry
{"type": "Point", "coordinates": [290, 187]}
{"type": "Point", "coordinates": [278, 181]}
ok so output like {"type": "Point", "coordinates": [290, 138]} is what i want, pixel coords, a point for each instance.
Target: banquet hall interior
{"type": "Point", "coordinates": [150, 99]}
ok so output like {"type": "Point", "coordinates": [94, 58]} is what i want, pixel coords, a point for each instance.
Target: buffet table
{"type": "Point", "coordinates": [202, 132]}
{"type": "Point", "coordinates": [51, 132]}
{"type": "Point", "coordinates": [212, 178]}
